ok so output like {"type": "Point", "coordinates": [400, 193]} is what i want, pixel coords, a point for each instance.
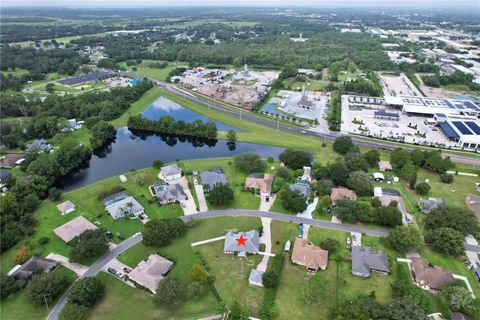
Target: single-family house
{"type": "Point", "coordinates": [256, 277]}
{"type": "Point", "coordinates": [34, 264]}
{"type": "Point", "coordinates": [171, 172]}
{"type": "Point", "coordinates": [429, 278]}
{"type": "Point", "coordinates": [210, 179]}
{"type": "Point", "coordinates": [149, 273]}
{"type": "Point", "coordinates": [306, 178]}
{"type": "Point", "coordinates": [261, 182]}
{"type": "Point", "coordinates": [384, 165]}
{"type": "Point", "coordinates": [301, 188]}
{"type": "Point", "coordinates": [66, 207]}
{"type": "Point", "coordinates": [74, 228]}
{"type": "Point", "coordinates": [342, 193]}
{"type": "Point", "coordinates": [242, 242]}
{"type": "Point", "coordinates": [365, 261]}
{"type": "Point", "coordinates": [121, 205]}
{"type": "Point", "coordinates": [39, 145]}
{"type": "Point", "coordinates": [168, 193]}
{"type": "Point", "coordinates": [427, 205]}
{"type": "Point", "coordinates": [308, 255]}
{"type": "Point", "coordinates": [11, 160]}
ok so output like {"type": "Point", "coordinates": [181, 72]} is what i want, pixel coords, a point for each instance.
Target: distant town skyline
{"type": "Point", "coordinates": [237, 3]}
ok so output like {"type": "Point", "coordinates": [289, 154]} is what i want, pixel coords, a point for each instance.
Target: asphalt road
{"type": "Point", "coordinates": [287, 218]}
{"type": "Point", "coordinates": [323, 136]}
{"type": "Point", "coordinates": [472, 247]}
{"type": "Point", "coordinates": [93, 270]}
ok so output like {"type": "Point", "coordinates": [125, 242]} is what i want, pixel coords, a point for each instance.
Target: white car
{"type": "Point", "coordinates": [138, 234]}
{"type": "Point", "coordinates": [348, 241]}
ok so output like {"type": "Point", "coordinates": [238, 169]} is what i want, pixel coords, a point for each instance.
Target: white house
{"type": "Point", "coordinates": [169, 173]}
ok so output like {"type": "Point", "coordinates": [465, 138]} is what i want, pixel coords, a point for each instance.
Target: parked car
{"type": "Point", "coordinates": [354, 237]}
{"type": "Point", "coordinates": [112, 271]}
{"type": "Point", "coordinates": [120, 236]}
{"type": "Point", "coordinates": [103, 229]}
{"type": "Point", "coordinates": [349, 241]}
{"type": "Point", "coordinates": [138, 234]}
{"type": "Point", "coordinates": [109, 234]}
{"type": "Point", "coordinates": [141, 217]}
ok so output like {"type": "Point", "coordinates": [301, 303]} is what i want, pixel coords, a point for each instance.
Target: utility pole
{"type": "Point", "coordinates": [45, 299]}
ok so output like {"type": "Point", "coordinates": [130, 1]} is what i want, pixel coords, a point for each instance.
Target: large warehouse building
{"type": "Point", "coordinates": [462, 129]}
{"type": "Point", "coordinates": [425, 106]}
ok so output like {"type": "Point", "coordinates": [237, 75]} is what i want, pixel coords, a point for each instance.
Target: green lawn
{"type": "Point", "coordinates": [17, 306]}
{"type": "Point", "coordinates": [18, 72]}
{"type": "Point", "coordinates": [124, 302]}
{"type": "Point", "coordinates": [138, 106]}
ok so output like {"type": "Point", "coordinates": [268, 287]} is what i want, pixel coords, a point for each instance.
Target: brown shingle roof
{"type": "Point", "coordinates": [10, 159]}
{"type": "Point", "coordinates": [384, 165]}
{"type": "Point", "coordinates": [308, 255]}
{"type": "Point", "coordinates": [434, 277]}
{"type": "Point", "coordinates": [473, 202]}
{"type": "Point", "coordinates": [341, 193]}
{"type": "Point", "coordinates": [262, 182]}
{"type": "Point", "coordinates": [73, 228]}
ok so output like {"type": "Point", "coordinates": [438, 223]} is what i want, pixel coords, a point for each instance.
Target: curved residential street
{"type": "Point", "coordinates": [286, 218]}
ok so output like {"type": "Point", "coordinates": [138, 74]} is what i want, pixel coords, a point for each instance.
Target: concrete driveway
{"type": "Point", "coordinates": [188, 206]}
{"type": "Point", "coordinates": [357, 240]}
{"type": "Point", "coordinates": [202, 203]}
{"type": "Point", "coordinates": [471, 255]}
{"type": "Point", "coordinates": [266, 238]}
{"type": "Point", "coordinates": [307, 214]}
{"type": "Point", "coordinates": [264, 205]}
{"type": "Point", "coordinates": [79, 269]}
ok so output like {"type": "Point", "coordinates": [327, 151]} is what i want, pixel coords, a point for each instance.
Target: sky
{"type": "Point", "coordinates": [237, 3]}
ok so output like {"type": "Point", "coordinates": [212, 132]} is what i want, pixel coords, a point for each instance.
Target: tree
{"type": "Point", "coordinates": [160, 232]}
{"type": "Point", "coordinates": [399, 158]}
{"type": "Point", "coordinates": [360, 182]}
{"type": "Point", "coordinates": [284, 173]}
{"type": "Point", "coordinates": [46, 287]}
{"type": "Point", "coordinates": [446, 178]}
{"type": "Point", "coordinates": [339, 174]}
{"type": "Point", "coordinates": [22, 254]}
{"type": "Point", "coordinates": [8, 285]}
{"type": "Point", "coordinates": [157, 164]}
{"type": "Point", "coordinates": [231, 136]}
{"type": "Point", "coordinates": [54, 194]}
{"type": "Point", "coordinates": [404, 239]}
{"type": "Point", "coordinates": [355, 161]}
{"type": "Point", "coordinates": [459, 299]}
{"type": "Point", "coordinates": [343, 145]}
{"type": "Point", "coordinates": [198, 274]}
{"type": "Point", "coordinates": [89, 243]}
{"type": "Point", "coordinates": [389, 215]}
{"type": "Point", "coordinates": [271, 277]}
{"type": "Point", "coordinates": [372, 157]}
{"type": "Point", "coordinates": [353, 211]}
{"type": "Point", "coordinates": [329, 244]}
{"type": "Point", "coordinates": [73, 311]}
{"type": "Point", "coordinates": [249, 162]}
{"type": "Point", "coordinates": [169, 293]}
{"type": "Point", "coordinates": [446, 240]}
{"type": "Point", "coordinates": [236, 312]}
{"type": "Point", "coordinates": [296, 159]}
{"type": "Point", "coordinates": [324, 187]}
{"type": "Point", "coordinates": [422, 188]}
{"type": "Point", "coordinates": [50, 87]}
{"type": "Point", "coordinates": [221, 194]}
{"type": "Point", "coordinates": [293, 201]}
{"type": "Point", "coordinates": [86, 292]}
{"type": "Point", "coordinates": [101, 133]}
{"type": "Point", "coordinates": [278, 183]}
{"type": "Point", "coordinates": [460, 219]}
{"type": "Point", "coordinates": [194, 289]}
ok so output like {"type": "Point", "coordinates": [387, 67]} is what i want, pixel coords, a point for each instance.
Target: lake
{"type": "Point", "coordinates": [165, 107]}
{"type": "Point", "coordinates": [136, 150]}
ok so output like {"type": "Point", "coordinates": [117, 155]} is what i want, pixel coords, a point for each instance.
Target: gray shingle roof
{"type": "Point", "coordinates": [32, 265]}
{"type": "Point", "coordinates": [364, 260]}
{"type": "Point", "coordinates": [171, 170]}
{"type": "Point", "coordinates": [170, 192]}
{"type": "Point", "coordinates": [251, 245]}
{"type": "Point", "coordinates": [302, 188]}
{"type": "Point", "coordinates": [211, 178]}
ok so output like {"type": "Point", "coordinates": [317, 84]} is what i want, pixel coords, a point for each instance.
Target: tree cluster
{"type": "Point", "coordinates": [89, 243]}
{"type": "Point", "coordinates": [360, 211]}
{"type": "Point", "coordinates": [159, 233]}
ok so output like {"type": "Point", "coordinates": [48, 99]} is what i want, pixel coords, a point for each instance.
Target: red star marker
{"type": "Point", "coordinates": [241, 241]}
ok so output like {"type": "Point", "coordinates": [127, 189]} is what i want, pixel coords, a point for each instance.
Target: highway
{"type": "Point", "coordinates": [323, 136]}
{"type": "Point", "coordinates": [93, 270]}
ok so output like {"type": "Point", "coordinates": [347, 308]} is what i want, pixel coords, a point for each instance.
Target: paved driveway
{"type": "Point", "coordinates": [188, 206]}
{"type": "Point", "coordinates": [266, 238]}
{"type": "Point", "coordinates": [202, 203]}
{"type": "Point", "coordinates": [307, 214]}
{"type": "Point", "coordinates": [79, 269]}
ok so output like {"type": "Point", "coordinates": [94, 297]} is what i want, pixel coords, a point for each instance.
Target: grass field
{"type": "Point", "coordinates": [18, 72]}
{"type": "Point", "coordinates": [17, 306]}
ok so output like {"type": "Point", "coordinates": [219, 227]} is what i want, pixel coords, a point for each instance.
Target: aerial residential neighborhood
{"type": "Point", "coordinates": [235, 160]}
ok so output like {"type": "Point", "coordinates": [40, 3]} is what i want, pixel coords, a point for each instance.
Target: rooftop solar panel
{"type": "Point", "coordinates": [461, 127]}
{"type": "Point", "coordinates": [470, 105]}
{"type": "Point", "coordinates": [447, 129]}
{"type": "Point", "coordinates": [449, 104]}
{"type": "Point", "coordinates": [472, 125]}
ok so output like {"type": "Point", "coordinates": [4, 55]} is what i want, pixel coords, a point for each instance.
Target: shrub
{"type": "Point", "coordinates": [22, 254]}
{"type": "Point", "coordinates": [54, 194]}
{"type": "Point", "coordinates": [73, 312]}
{"type": "Point", "coordinates": [446, 178]}
{"type": "Point", "coordinates": [43, 240]}
{"type": "Point", "coordinates": [169, 293]}
{"type": "Point", "coordinates": [329, 244]}
{"type": "Point", "coordinates": [422, 188]}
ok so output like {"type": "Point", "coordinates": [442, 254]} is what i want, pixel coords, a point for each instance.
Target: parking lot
{"type": "Point", "coordinates": [407, 128]}
{"type": "Point", "coordinates": [398, 86]}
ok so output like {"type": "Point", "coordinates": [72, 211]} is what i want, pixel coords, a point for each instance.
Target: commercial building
{"type": "Point", "coordinates": [425, 106]}
{"type": "Point", "coordinates": [464, 130]}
